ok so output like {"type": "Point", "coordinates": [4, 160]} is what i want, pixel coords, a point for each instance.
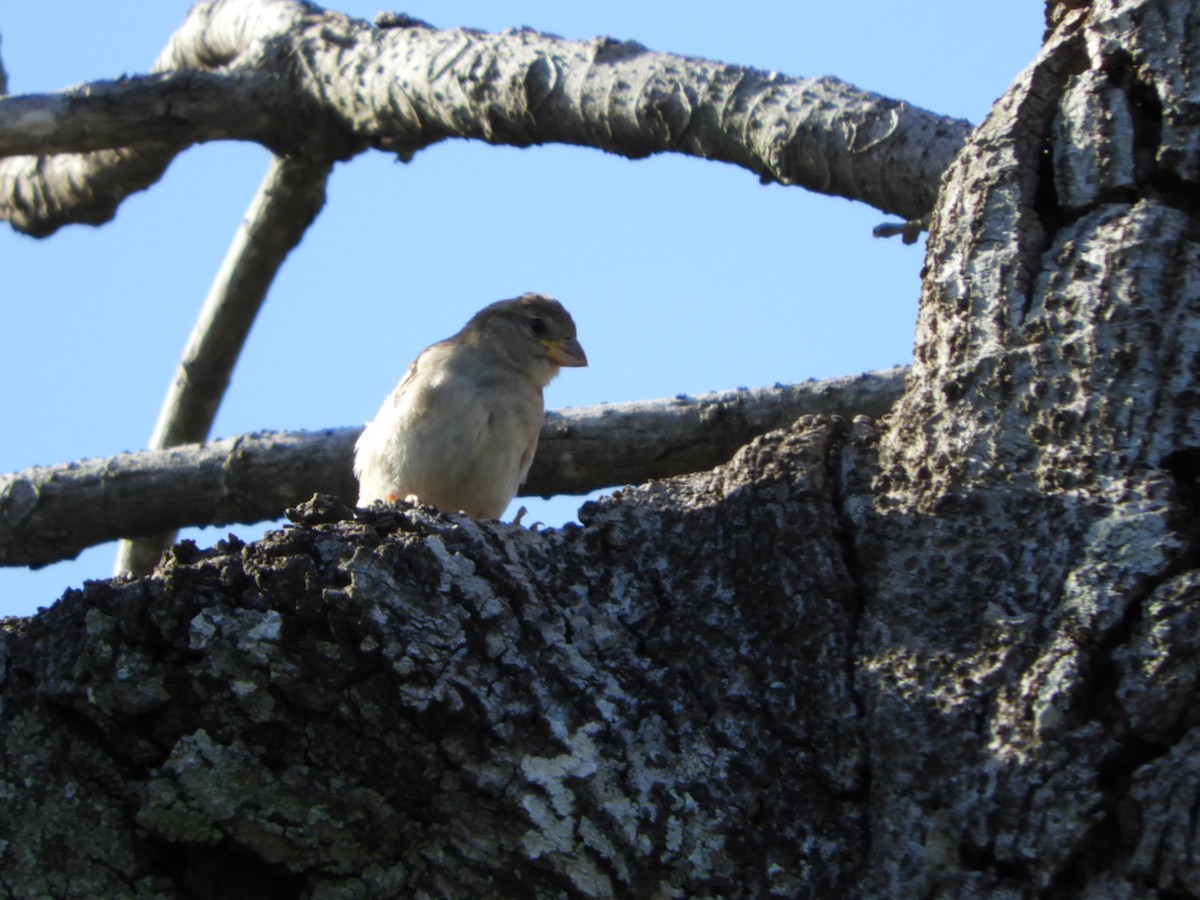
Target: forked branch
{"type": "Point", "coordinates": [317, 84]}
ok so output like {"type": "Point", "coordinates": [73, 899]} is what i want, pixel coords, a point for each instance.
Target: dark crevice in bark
{"type": "Point", "coordinates": [1112, 837]}
{"type": "Point", "coordinates": [225, 872]}
{"type": "Point", "coordinates": [1109, 842]}
{"type": "Point", "coordinates": [1155, 181]}
{"type": "Point", "coordinates": [1184, 466]}
{"type": "Point", "coordinates": [1037, 127]}
{"type": "Point", "coordinates": [984, 859]}
{"type": "Point", "coordinates": [845, 537]}
{"type": "Point", "coordinates": [1045, 201]}
{"type": "Point", "coordinates": [1146, 107]}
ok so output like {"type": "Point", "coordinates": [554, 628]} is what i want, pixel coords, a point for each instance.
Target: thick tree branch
{"type": "Point", "coordinates": [167, 112]}
{"type": "Point", "coordinates": [291, 195]}
{"type": "Point", "coordinates": [172, 108]}
{"type": "Point", "coordinates": [626, 443]}
{"type": "Point", "coordinates": [321, 84]}
{"type": "Point", "coordinates": [53, 512]}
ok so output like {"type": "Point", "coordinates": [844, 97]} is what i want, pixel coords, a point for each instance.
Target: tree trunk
{"type": "Point", "coordinates": [949, 653]}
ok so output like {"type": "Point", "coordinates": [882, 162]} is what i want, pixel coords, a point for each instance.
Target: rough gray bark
{"type": "Point", "coordinates": [50, 513]}
{"type": "Point", "coordinates": [952, 653]}
{"type": "Point", "coordinates": [1028, 549]}
{"type": "Point", "coordinates": [406, 704]}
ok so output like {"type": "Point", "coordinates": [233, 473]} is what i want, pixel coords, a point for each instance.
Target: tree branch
{"type": "Point", "coordinates": [172, 108]}
{"type": "Point", "coordinates": [291, 195]}
{"type": "Point", "coordinates": [125, 133]}
{"type": "Point", "coordinates": [54, 512]}
{"type": "Point", "coordinates": [321, 84]}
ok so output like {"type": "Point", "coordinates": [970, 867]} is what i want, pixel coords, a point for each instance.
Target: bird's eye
{"type": "Point", "coordinates": [537, 326]}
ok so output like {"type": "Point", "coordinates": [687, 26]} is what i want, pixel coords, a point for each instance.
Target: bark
{"type": "Point", "coordinates": [1030, 543]}
{"type": "Point", "coordinates": [52, 512]}
{"type": "Point", "coordinates": [428, 705]}
{"type": "Point", "coordinates": [953, 653]}
{"type": "Point", "coordinates": [317, 84]}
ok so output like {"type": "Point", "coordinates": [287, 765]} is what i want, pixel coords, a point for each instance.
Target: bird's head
{"type": "Point", "coordinates": [533, 333]}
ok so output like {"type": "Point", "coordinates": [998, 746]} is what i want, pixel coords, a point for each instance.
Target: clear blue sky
{"type": "Point", "coordinates": [684, 276]}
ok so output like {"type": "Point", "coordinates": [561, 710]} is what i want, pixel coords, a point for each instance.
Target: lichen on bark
{"type": "Point", "coordinates": [408, 701]}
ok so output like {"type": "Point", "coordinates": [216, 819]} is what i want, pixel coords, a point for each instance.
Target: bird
{"type": "Point", "coordinates": [460, 429]}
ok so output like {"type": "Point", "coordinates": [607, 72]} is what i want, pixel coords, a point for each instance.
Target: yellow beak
{"type": "Point", "coordinates": [565, 353]}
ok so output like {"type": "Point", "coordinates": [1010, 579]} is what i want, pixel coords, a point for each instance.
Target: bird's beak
{"type": "Point", "coordinates": [566, 353]}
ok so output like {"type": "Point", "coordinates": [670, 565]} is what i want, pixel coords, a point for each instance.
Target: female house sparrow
{"type": "Point", "coordinates": [460, 429]}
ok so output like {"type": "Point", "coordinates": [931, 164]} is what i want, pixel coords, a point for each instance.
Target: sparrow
{"type": "Point", "coordinates": [460, 429]}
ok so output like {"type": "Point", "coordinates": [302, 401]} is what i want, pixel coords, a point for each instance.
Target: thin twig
{"type": "Point", "coordinates": [291, 195]}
